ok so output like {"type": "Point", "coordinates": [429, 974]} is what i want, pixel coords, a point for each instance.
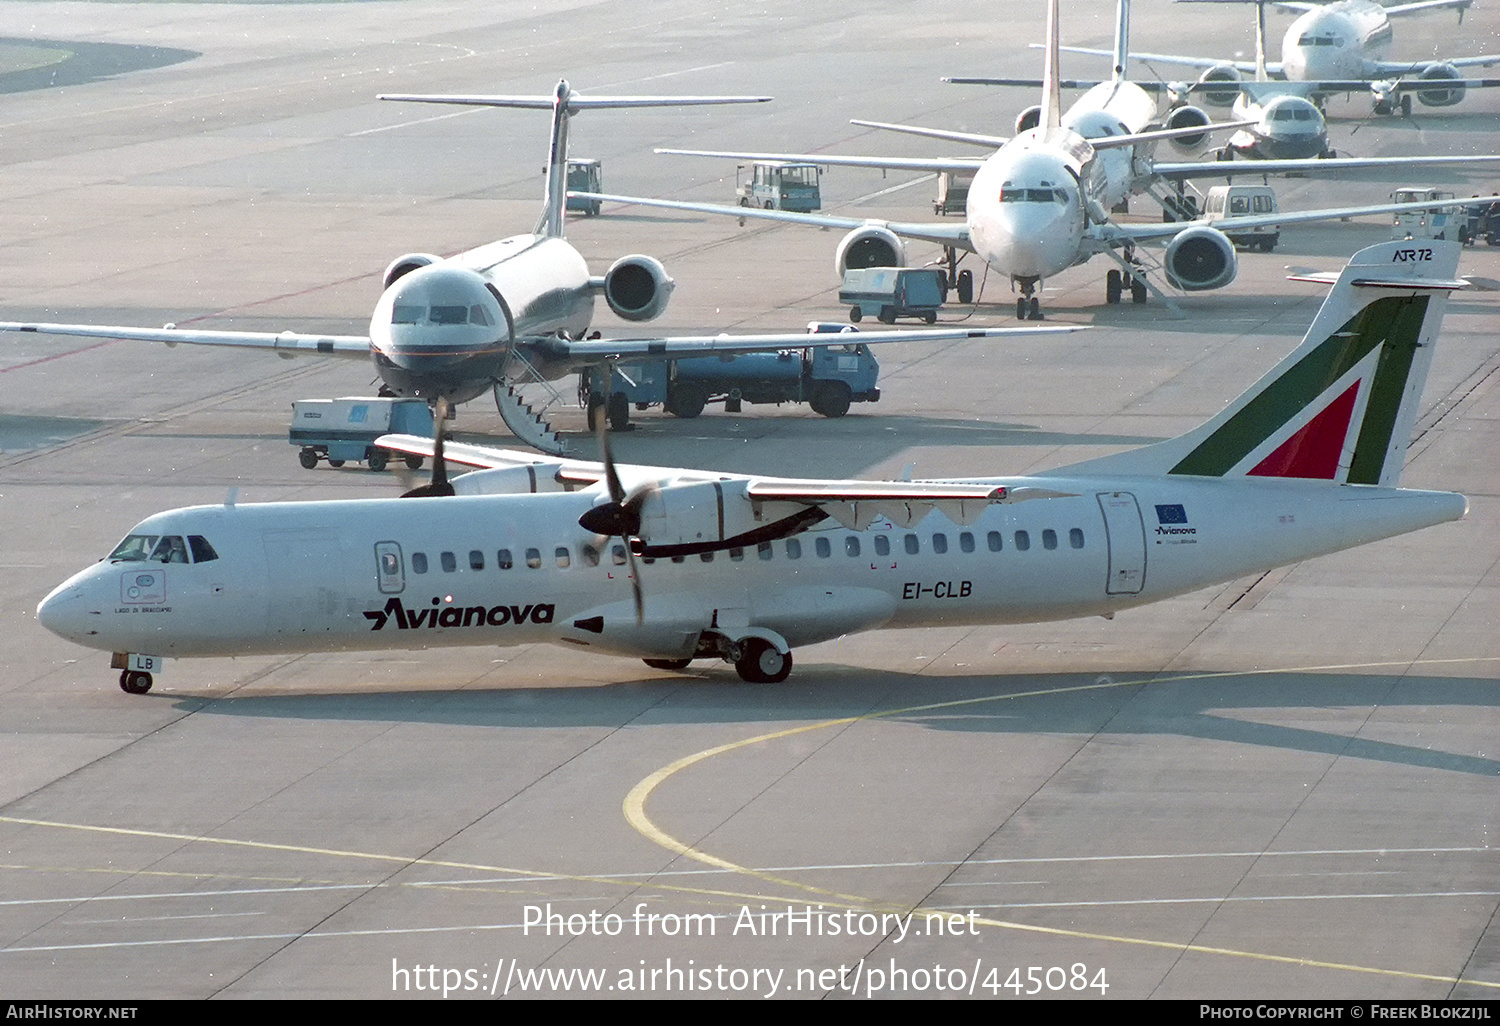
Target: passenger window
{"type": "Point", "coordinates": [503, 559]}
{"type": "Point", "coordinates": [822, 547]}
{"type": "Point", "coordinates": [707, 557]}
{"type": "Point", "coordinates": [882, 545]}
{"type": "Point", "coordinates": [764, 550]}
{"type": "Point", "coordinates": [533, 559]}
{"type": "Point", "coordinates": [419, 562]}
{"type": "Point", "coordinates": [450, 562]}
{"type": "Point", "coordinates": [737, 554]}
{"type": "Point", "coordinates": [851, 545]}
{"type": "Point", "coordinates": [588, 555]}
{"type": "Point", "coordinates": [940, 543]}
{"type": "Point", "coordinates": [1023, 541]}
{"type": "Point", "coordinates": [913, 546]}
{"type": "Point", "coordinates": [617, 555]}
{"type": "Point", "coordinates": [793, 549]}
{"type": "Point", "coordinates": [1049, 539]}
{"type": "Point", "coordinates": [965, 541]}
{"type": "Point", "coordinates": [994, 542]}
{"type": "Point", "coordinates": [1075, 538]}
{"type": "Point", "coordinates": [476, 559]}
{"type": "Point", "coordinates": [563, 556]}
{"type": "Point", "coordinates": [203, 552]}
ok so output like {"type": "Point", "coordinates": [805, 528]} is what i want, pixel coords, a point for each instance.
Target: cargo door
{"type": "Point", "coordinates": [305, 581]}
{"type": "Point", "coordinates": [1126, 533]}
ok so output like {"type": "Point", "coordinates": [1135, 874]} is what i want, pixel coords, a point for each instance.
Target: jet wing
{"type": "Point", "coordinates": [1308, 165]}
{"type": "Point", "coordinates": [972, 138]}
{"type": "Point", "coordinates": [831, 160]}
{"type": "Point", "coordinates": [1244, 67]}
{"type": "Point", "coordinates": [955, 235]}
{"type": "Point", "coordinates": [286, 343]}
{"type": "Point", "coordinates": [630, 350]}
{"type": "Point", "coordinates": [1396, 84]}
{"type": "Point", "coordinates": [1148, 232]}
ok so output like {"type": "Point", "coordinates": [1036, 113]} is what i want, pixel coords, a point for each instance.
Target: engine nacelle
{"type": "Point", "coordinates": [404, 265]}
{"type": "Point", "coordinates": [1229, 76]}
{"type": "Point", "coordinates": [637, 287]}
{"type": "Point", "coordinates": [1200, 259]}
{"type": "Point", "coordinates": [870, 246]}
{"type": "Point", "coordinates": [1189, 117]}
{"type": "Point", "coordinates": [1028, 119]}
{"type": "Point", "coordinates": [1440, 97]}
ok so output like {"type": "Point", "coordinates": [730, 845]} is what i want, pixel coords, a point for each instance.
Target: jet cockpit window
{"type": "Point", "coordinates": [203, 552]}
{"type": "Point", "coordinates": [405, 314]}
{"type": "Point", "coordinates": [450, 315]}
{"type": "Point", "coordinates": [171, 549]}
{"type": "Point", "coordinates": [1016, 194]}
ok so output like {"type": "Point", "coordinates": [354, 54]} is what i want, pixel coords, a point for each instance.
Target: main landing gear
{"type": "Point", "coordinates": [757, 660]}
{"type": "Point", "coordinates": [1116, 284]}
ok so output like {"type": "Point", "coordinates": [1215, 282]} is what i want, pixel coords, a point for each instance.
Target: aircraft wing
{"type": "Point", "coordinates": [1308, 165]}
{"type": "Point", "coordinates": [949, 234]}
{"type": "Point", "coordinates": [631, 350]}
{"type": "Point", "coordinates": [1244, 67]}
{"type": "Point", "coordinates": [286, 343]}
{"type": "Point", "coordinates": [831, 160]}
{"type": "Point", "coordinates": [1150, 232]}
{"type": "Point", "coordinates": [972, 138]}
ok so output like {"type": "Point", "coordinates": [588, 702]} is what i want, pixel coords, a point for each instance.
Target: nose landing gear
{"type": "Point", "coordinates": [1028, 304]}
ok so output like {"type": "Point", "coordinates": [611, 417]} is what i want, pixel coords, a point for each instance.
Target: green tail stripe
{"type": "Point", "coordinates": [1393, 322]}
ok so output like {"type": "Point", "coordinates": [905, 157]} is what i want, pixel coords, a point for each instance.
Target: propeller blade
{"type": "Point", "coordinates": [439, 484]}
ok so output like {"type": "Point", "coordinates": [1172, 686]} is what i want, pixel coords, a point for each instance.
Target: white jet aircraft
{"type": "Point", "coordinates": [672, 565]}
{"type": "Point", "coordinates": [1040, 203]}
{"type": "Point", "coordinates": [448, 329]}
{"type": "Point", "coordinates": [1341, 48]}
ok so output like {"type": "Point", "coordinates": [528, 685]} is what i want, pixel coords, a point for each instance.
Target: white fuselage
{"type": "Point", "coordinates": [1026, 214]}
{"type": "Point", "coordinates": [1343, 40]}
{"type": "Point", "coordinates": [504, 570]}
{"type": "Point", "coordinates": [1287, 127]}
{"type": "Point", "coordinates": [449, 327]}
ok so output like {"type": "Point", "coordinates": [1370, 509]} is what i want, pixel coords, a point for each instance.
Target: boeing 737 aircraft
{"type": "Point", "coordinates": [1341, 48]}
{"type": "Point", "coordinates": [1040, 203]}
{"type": "Point", "coordinates": [673, 565]}
{"type": "Point", "coordinates": [505, 313]}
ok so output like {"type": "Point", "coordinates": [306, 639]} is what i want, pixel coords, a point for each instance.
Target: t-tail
{"type": "Point", "coordinates": [1342, 406]}
{"type": "Point", "coordinates": [564, 103]}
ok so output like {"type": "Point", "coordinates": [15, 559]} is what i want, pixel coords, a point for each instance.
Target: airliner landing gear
{"type": "Point", "coordinates": [667, 664]}
{"type": "Point", "coordinates": [1028, 305]}
{"type": "Point", "coordinates": [134, 682]}
{"type": "Point", "coordinates": [760, 663]}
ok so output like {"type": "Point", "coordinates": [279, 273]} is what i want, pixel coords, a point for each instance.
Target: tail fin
{"type": "Point", "coordinates": [1122, 41]}
{"type": "Point", "coordinates": [1341, 407]}
{"type": "Point", "coordinates": [1051, 115]}
{"type": "Point", "coordinates": [564, 103]}
{"type": "Point", "coordinates": [1260, 42]}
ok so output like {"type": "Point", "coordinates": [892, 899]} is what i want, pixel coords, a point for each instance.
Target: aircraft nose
{"type": "Point", "coordinates": [67, 612]}
{"type": "Point", "coordinates": [1038, 237]}
{"type": "Point", "coordinates": [438, 316]}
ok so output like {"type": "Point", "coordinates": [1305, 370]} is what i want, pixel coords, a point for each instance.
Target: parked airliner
{"type": "Point", "coordinates": [745, 569]}
{"type": "Point", "coordinates": [1341, 48]}
{"type": "Point", "coordinates": [495, 317]}
{"type": "Point", "coordinates": [1040, 203]}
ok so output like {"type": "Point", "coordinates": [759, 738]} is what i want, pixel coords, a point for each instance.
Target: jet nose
{"type": "Point", "coordinates": [67, 612]}
{"type": "Point", "coordinates": [1041, 238]}
{"type": "Point", "coordinates": [438, 316]}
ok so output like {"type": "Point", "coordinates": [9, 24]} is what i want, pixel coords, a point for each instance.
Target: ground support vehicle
{"type": "Point", "coordinates": [891, 292]}
{"type": "Point", "coordinates": [584, 175]}
{"type": "Point", "coordinates": [1481, 221]}
{"type": "Point", "coordinates": [826, 377]}
{"type": "Point", "coordinates": [341, 430]}
{"type": "Point", "coordinates": [1241, 200]}
{"type": "Point", "coordinates": [952, 192]}
{"type": "Point", "coordinates": [1425, 224]}
{"type": "Point", "coordinates": [779, 185]}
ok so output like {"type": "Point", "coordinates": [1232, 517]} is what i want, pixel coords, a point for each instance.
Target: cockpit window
{"type": "Point", "coordinates": [1015, 194]}
{"type": "Point", "coordinates": [406, 314]}
{"type": "Point", "coordinates": [450, 314]}
{"type": "Point", "coordinates": [171, 548]}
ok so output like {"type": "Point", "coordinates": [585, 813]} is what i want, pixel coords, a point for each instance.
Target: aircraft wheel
{"type": "Point", "coordinates": [1034, 309]}
{"type": "Point", "coordinates": [1137, 290]}
{"type": "Point", "coordinates": [1113, 287]}
{"type": "Point", "coordinates": [667, 664]}
{"type": "Point", "coordinates": [308, 459]}
{"type": "Point", "coordinates": [376, 459]}
{"type": "Point", "coordinates": [762, 664]}
{"type": "Point", "coordinates": [413, 463]}
{"type": "Point", "coordinates": [134, 682]}
{"type": "Point", "coordinates": [618, 409]}
{"type": "Point", "coordinates": [966, 287]}
{"type": "Point", "coordinates": [1021, 309]}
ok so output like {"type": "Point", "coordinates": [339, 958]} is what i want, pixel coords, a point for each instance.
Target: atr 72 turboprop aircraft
{"type": "Point", "coordinates": [744, 569]}
{"type": "Point", "coordinates": [448, 329]}
{"type": "Point", "coordinates": [1341, 48]}
{"type": "Point", "coordinates": [1040, 203]}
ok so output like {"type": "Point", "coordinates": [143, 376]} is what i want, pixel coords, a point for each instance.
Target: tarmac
{"type": "Point", "coordinates": [1286, 787]}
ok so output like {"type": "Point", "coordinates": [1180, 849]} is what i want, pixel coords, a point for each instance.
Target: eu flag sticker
{"type": "Point", "coordinates": [1172, 513]}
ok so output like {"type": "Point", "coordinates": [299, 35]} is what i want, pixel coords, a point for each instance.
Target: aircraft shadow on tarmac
{"type": "Point", "coordinates": [1220, 706]}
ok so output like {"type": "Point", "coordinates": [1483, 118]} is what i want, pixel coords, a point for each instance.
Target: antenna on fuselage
{"type": "Point", "coordinates": [564, 103]}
